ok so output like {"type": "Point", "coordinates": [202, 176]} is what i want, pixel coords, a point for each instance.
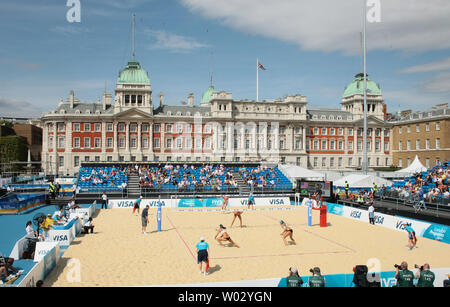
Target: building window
{"type": "Point", "coordinates": [76, 142]}
{"type": "Point", "coordinates": [316, 145]}
{"type": "Point", "coordinates": [198, 128]}
{"type": "Point", "coordinates": [133, 99]}
{"type": "Point", "coordinates": [316, 161]}
{"type": "Point", "coordinates": [97, 159]}
{"type": "Point", "coordinates": [332, 131]}
{"type": "Point", "coordinates": [60, 127]}
{"type": "Point", "coordinates": [156, 128]}
{"type": "Point", "coordinates": [121, 158]}
{"type": "Point", "coordinates": [400, 145]}
{"type": "Point", "coordinates": [324, 162]}
{"type": "Point", "coordinates": [76, 127]}
{"type": "Point", "coordinates": [417, 144]}
{"type": "Point", "coordinates": [331, 162]}
{"type": "Point", "coordinates": [350, 145]}
{"type": "Point", "coordinates": [350, 161]}
{"type": "Point", "coordinates": [179, 143]}
{"type": "Point", "coordinates": [127, 99]}
{"type": "Point", "coordinates": [377, 132]}
{"type": "Point", "coordinates": [340, 131]}
{"type": "Point", "coordinates": [409, 129]}
{"type": "Point", "coordinates": [61, 161]}
{"type": "Point", "coordinates": [427, 127]}
{"type": "Point", "coordinates": [179, 128]}
{"type": "Point", "coordinates": [208, 143]}
{"type": "Point", "coordinates": [438, 126]}
{"type": "Point", "coordinates": [340, 162]}
{"type": "Point", "coordinates": [87, 142]}
{"type": "Point", "coordinates": [386, 147]}
{"type": "Point", "coordinates": [145, 142]}
{"type": "Point", "coordinates": [281, 144]}
{"type": "Point", "coordinates": [169, 143]}
{"type": "Point", "coordinates": [208, 129]}
{"type": "Point", "coordinates": [350, 131]}
{"type": "Point", "coordinates": [298, 161]}
{"type": "Point", "coordinates": [133, 128]}
{"type": "Point", "coordinates": [360, 132]}
{"type": "Point", "coordinates": [378, 161]}
{"type": "Point", "coordinates": [409, 161]}
{"type": "Point", "coordinates": [109, 158]}
{"type": "Point", "coordinates": [156, 143]}
{"type": "Point", "coordinates": [61, 142]}
{"type": "Point", "coordinates": [121, 127]}
{"type": "Point", "coordinates": [427, 144]}
{"type": "Point", "coordinates": [332, 147]}
{"type": "Point", "coordinates": [360, 145]}
{"type": "Point", "coordinates": [399, 130]}
{"type": "Point", "coordinates": [377, 146]}
{"type": "Point", "coordinates": [316, 131]}
{"type": "Point", "coordinates": [109, 142]}
{"type": "Point", "coordinates": [144, 128]}
{"type": "Point", "coordinates": [87, 127]}
{"type": "Point", "coordinates": [324, 145]}
{"type": "Point", "coordinates": [139, 99]}
{"type": "Point", "coordinates": [97, 143]}
{"type": "Point", "coordinates": [76, 161]}
{"type": "Point", "coordinates": [168, 128]}
{"type": "Point", "coordinates": [386, 132]}
{"type": "Point", "coordinates": [438, 143]}
{"type": "Point", "coordinates": [400, 162]}
{"type": "Point", "coordinates": [408, 145]}
{"type": "Point", "coordinates": [198, 143]}
{"type": "Point", "coordinates": [133, 142]}
{"type": "Point", "coordinates": [109, 127]}
{"type": "Point", "coordinates": [97, 127]}
{"type": "Point", "coordinates": [417, 128]}
{"type": "Point", "coordinates": [341, 145]}
{"type": "Point", "coordinates": [427, 162]}
{"type": "Point", "coordinates": [324, 131]}
{"type": "Point", "coordinates": [121, 142]}
{"type": "Point", "coordinates": [297, 143]}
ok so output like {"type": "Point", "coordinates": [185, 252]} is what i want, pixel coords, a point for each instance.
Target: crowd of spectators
{"type": "Point", "coordinates": [109, 176]}
{"type": "Point", "coordinates": [261, 176]}
{"type": "Point", "coordinates": [186, 177]}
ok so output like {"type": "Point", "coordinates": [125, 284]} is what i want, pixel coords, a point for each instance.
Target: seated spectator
{"type": "Point", "coordinates": [89, 225]}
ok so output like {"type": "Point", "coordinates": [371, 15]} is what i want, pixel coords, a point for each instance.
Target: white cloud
{"type": "Point", "coordinates": [18, 108]}
{"type": "Point", "coordinates": [173, 42]}
{"type": "Point", "coordinates": [438, 84]}
{"type": "Point", "coordinates": [330, 25]}
{"type": "Point", "coordinates": [434, 66]}
{"type": "Point", "coordinates": [70, 30]}
{"type": "Point", "coordinates": [411, 99]}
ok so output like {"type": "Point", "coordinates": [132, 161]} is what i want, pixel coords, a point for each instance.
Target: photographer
{"type": "Point", "coordinates": [405, 278]}
{"type": "Point", "coordinates": [425, 276]}
{"type": "Point", "coordinates": [293, 280]}
{"type": "Point", "coordinates": [317, 280]}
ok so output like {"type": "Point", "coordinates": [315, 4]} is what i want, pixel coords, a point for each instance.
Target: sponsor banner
{"type": "Point", "coordinates": [64, 237]}
{"type": "Point", "coordinates": [423, 229]}
{"type": "Point", "coordinates": [199, 202]}
{"type": "Point", "coordinates": [42, 249]}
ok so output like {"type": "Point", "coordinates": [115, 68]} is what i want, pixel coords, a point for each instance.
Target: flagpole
{"type": "Point", "coordinates": [257, 80]}
{"type": "Point", "coordinates": [364, 166]}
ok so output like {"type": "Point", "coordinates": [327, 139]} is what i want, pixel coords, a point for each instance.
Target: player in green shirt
{"type": "Point", "coordinates": [425, 276]}
{"type": "Point", "coordinates": [293, 280]}
{"type": "Point", "coordinates": [317, 280]}
{"type": "Point", "coordinates": [405, 278]}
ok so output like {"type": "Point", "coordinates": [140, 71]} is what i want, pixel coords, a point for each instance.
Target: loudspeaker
{"type": "Point", "coordinates": [447, 283]}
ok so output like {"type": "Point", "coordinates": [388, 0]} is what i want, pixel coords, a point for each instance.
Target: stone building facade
{"type": "Point", "coordinates": [131, 127]}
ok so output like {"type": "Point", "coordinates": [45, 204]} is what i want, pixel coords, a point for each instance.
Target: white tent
{"type": "Point", "coordinates": [294, 172]}
{"type": "Point", "coordinates": [415, 167]}
{"type": "Point", "coordinates": [361, 181]}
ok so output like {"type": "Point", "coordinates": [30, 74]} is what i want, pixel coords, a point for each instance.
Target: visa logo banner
{"type": "Point", "coordinates": [154, 203]}
{"type": "Point", "coordinates": [125, 204]}
{"type": "Point", "coordinates": [355, 214]}
{"type": "Point", "coordinates": [59, 238]}
{"type": "Point", "coordinates": [276, 201]}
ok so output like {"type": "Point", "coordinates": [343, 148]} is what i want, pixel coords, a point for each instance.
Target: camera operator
{"type": "Point", "coordinates": [405, 278]}
{"type": "Point", "coordinates": [317, 280]}
{"type": "Point", "coordinates": [425, 276]}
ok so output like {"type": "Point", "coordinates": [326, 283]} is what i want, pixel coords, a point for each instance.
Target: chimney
{"type": "Point", "coordinates": [161, 99]}
{"type": "Point", "coordinates": [71, 99]}
{"type": "Point", "coordinates": [191, 99]}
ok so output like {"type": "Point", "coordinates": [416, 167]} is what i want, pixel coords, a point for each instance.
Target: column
{"type": "Point", "coordinates": [116, 139]}
{"type": "Point", "coordinates": [103, 140]}
{"type": "Point", "coordinates": [127, 137]}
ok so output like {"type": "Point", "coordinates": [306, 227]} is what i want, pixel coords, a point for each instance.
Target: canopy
{"type": "Point", "coordinates": [361, 181]}
{"type": "Point", "coordinates": [415, 167]}
{"type": "Point", "coordinates": [294, 172]}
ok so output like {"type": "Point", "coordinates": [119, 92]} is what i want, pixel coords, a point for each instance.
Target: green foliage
{"type": "Point", "coordinates": [6, 123]}
{"type": "Point", "coordinates": [391, 168]}
{"type": "Point", "coordinates": [12, 149]}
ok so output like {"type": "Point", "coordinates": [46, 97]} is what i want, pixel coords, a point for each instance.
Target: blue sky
{"type": "Point", "coordinates": [308, 47]}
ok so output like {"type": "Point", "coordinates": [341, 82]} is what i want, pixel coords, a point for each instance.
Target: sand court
{"type": "Point", "coordinates": [119, 255]}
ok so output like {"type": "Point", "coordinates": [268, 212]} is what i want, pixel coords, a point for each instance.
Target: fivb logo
{"type": "Point", "coordinates": [374, 13]}
{"type": "Point", "coordinates": [74, 13]}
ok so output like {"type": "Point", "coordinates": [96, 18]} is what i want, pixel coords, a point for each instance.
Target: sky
{"type": "Point", "coordinates": [308, 47]}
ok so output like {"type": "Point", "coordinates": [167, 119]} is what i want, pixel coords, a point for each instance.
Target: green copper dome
{"type": "Point", "coordinates": [357, 87]}
{"type": "Point", "coordinates": [207, 96]}
{"type": "Point", "coordinates": [133, 73]}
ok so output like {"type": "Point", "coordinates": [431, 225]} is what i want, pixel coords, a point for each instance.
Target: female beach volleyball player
{"type": "Point", "coordinates": [136, 204]}
{"type": "Point", "coordinates": [225, 202]}
{"type": "Point", "coordinates": [287, 232]}
{"type": "Point", "coordinates": [412, 239]}
{"type": "Point", "coordinates": [222, 235]}
{"type": "Point", "coordinates": [238, 215]}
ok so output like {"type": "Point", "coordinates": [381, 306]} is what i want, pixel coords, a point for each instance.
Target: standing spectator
{"type": "Point", "coordinates": [51, 190]}
{"type": "Point", "coordinates": [317, 280]}
{"type": "Point", "coordinates": [144, 217]}
{"type": "Point", "coordinates": [202, 254]}
{"type": "Point", "coordinates": [371, 214]}
{"type": "Point", "coordinates": [346, 187]}
{"type": "Point", "coordinates": [405, 278]}
{"type": "Point", "coordinates": [104, 200]}
{"type": "Point", "coordinates": [294, 280]}
{"type": "Point", "coordinates": [425, 276]}
{"type": "Point", "coordinates": [57, 189]}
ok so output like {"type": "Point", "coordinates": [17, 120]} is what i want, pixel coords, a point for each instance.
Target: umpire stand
{"type": "Point", "coordinates": [323, 212]}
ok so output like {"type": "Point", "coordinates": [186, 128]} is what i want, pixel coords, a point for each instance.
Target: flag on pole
{"type": "Point", "coordinates": [183, 102]}
{"type": "Point", "coordinates": [260, 66]}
